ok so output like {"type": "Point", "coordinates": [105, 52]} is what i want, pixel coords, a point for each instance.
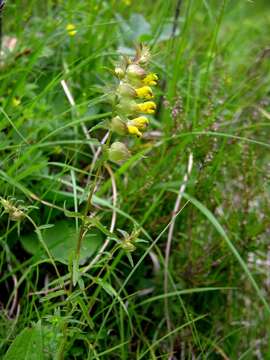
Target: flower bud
{"type": "Point", "coordinates": [128, 246]}
{"type": "Point", "coordinates": [126, 106]}
{"type": "Point", "coordinates": [118, 125]}
{"type": "Point", "coordinates": [118, 152]}
{"type": "Point", "coordinates": [126, 90]}
{"type": "Point", "coordinates": [119, 72]}
{"type": "Point", "coordinates": [135, 71]}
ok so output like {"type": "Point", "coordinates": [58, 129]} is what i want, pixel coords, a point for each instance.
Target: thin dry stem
{"type": "Point", "coordinates": [72, 103]}
{"type": "Point", "coordinates": [169, 240]}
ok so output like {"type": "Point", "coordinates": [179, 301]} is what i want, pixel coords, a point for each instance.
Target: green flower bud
{"type": "Point", "coordinates": [119, 72]}
{"type": "Point", "coordinates": [126, 90]}
{"type": "Point", "coordinates": [128, 246]}
{"type": "Point", "coordinates": [118, 152]}
{"type": "Point", "coordinates": [126, 106]}
{"type": "Point", "coordinates": [118, 125]}
{"type": "Point", "coordinates": [135, 71]}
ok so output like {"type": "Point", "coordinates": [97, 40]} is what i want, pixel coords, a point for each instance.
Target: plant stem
{"type": "Point", "coordinates": [88, 207]}
{"type": "Point", "coordinates": [86, 212]}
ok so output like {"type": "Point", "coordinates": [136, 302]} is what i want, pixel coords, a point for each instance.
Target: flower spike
{"type": "Point", "coordinates": [133, 95]}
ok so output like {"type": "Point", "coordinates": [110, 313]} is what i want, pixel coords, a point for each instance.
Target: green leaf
{"type": "Point", "coordinates": [135, 28]}
{"type": "Point", "coordinates": [139, 26]}
{"type": "Point", "coordinates": [61, 240]}
{"type": "Point", "coordinates": [28, 345]}
{"type": "Point", "coordinates": [31, 244]}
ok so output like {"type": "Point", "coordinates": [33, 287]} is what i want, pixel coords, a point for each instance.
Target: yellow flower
{"type": "Point", "coordinates": [135, 125]}
{"type": "Point", "coordinates": [140, 122]}
{"type": "Point", "coordinates": [150, 79]}
{"type": "Point", "coordinates": [133, 130]}
{"type": "Point", "coordinates": [147, 107]}
{"type": "Point", "coordinates": [71, 29]}
{"type": "Point", "coordinates": [144, 92]}
{"type": "Point", "coordinates": [16, 102]}
{"type": "Point", "coordinates": [57, 150]}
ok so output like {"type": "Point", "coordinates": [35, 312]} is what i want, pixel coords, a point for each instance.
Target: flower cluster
{"type": "Point", "coordinates": [134, 94]}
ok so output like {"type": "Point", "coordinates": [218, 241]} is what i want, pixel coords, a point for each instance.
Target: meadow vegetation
{"type": "Point", "coordinates": [157, 248]}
